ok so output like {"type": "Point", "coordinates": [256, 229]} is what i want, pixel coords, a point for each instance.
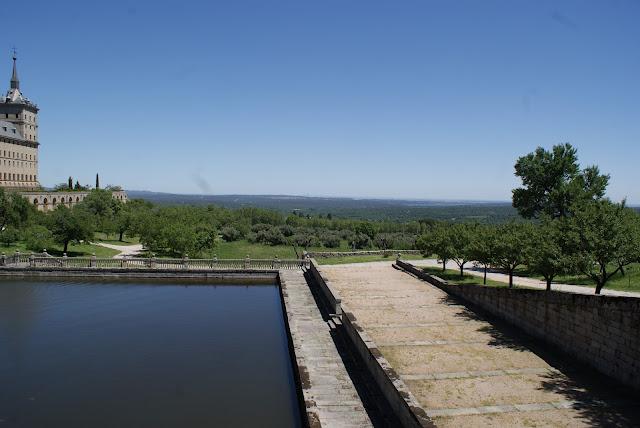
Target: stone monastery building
{"type": "Point", "coordinates": [19, 151]}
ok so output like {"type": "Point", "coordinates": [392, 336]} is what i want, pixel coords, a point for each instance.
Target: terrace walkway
{"type": "Point", "coordinates": [465, 370]}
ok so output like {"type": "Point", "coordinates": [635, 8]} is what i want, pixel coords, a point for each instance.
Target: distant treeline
{"type": "Point", "coordinates": [359, 209]}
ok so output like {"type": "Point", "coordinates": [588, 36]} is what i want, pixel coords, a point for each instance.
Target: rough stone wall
{"type": "Point", "coordinates": [601, 331]}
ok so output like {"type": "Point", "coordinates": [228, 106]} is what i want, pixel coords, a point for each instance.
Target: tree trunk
{"type": "Point", "coordinates": [548, 284]}
{"type": "Point", "coordinates": [461, 271]}
{"type": "Point", "coordinates": [485, 275]}
{"type": "Point", "coordinates": [510, 279]}
{"type": "Point", "coordinates": [121, 233]}
{"type": "Point", "coordinates": [66, 244]}
{"type": "Point", "coordinates": [599, 288]}
{"type": "Point", "coordinates": [444, 265]}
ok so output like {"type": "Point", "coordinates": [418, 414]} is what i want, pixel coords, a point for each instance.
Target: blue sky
{"type": "Point", "coordinates": [403, 99]}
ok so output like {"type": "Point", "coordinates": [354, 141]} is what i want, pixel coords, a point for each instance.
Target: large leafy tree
{"type": "Point", "coordinates": [67, 225]}
{"type": "Point", "coordinates": [552, 182]}
{"type": "Point", "coordinates": [14, 210]}
{"type": "Point", "coordinates": [605, 237]}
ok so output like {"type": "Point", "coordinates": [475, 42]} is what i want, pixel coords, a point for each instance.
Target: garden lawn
{"type": "Point", "coordinates": [630, 281]}
{"type": "Point", "coordinates": [364, 259]}
{"type": "Point", "coordinates": [453, 277]}
{"type": "Point", "coordinates": [74, 250]}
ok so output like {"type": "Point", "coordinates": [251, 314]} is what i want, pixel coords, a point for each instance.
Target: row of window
{"type": "Point", "coordinates": [19, 164]}
{"type": "Point", "coordinates": [18, 177]}
{"type": "Point", "coordinates": [17, 155]}
{"type": "Point", "coordinates": [17, 116]}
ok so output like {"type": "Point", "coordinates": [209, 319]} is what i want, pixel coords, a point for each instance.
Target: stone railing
{"type": "Point", "coordinates": [45, 261]}
{"type": "Point", "coordinates": [331, 254]}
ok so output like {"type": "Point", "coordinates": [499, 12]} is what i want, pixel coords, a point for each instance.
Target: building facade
{"type": "Point", "coordinates": [18, 138]}
{"type": "Point", "coordinates": [19, 151]}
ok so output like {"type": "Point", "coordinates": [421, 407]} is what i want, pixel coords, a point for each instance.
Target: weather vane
{"type": "Point", "coordinates": [15, 52]}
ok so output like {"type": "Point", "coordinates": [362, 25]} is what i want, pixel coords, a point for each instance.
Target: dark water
{"type": "Point", "coordinates": [149, 354]}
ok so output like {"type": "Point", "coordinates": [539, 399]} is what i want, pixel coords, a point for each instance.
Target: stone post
{"type": "Point", "coordinates": [185, 261]}
{"type": "Point", "coordinates": [247, 262]}
{"type": "Point", "coordinates": [276, 263]}
{"type": "Point", "coordinates": [153, 263]}
{"type": "Point", "coordinates": [214, 261]}
{"type": "Point", "coordinates": [3, 259]}
{"type": "Point", "coordinates": [92, 260]}
{"type": "Point", "coordinates": [32, 260]}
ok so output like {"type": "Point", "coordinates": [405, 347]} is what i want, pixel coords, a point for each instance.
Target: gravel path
{"type": "Point", "coordinates": [517, 280]}
{"type": "Point", "coordinates": [125, 250]}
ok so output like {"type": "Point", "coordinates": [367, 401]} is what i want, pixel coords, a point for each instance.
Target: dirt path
{"type": "Point", "coordinates": [465, 370]}
{"type": "Point", "coordinates": [523, 281]}
{"type": "Point", "coordinates": [517, 280]}
{"type": "Point", "coordinates": [125, 250]}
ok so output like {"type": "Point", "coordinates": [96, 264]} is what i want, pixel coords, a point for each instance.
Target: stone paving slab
{"type": "Point", "coordinates": [329, 394]}
{"type": "Point", "coordinates": [464, 370]}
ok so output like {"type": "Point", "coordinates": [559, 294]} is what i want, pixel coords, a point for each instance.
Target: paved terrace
{"type": "Point", "coordinates": [465, 370]}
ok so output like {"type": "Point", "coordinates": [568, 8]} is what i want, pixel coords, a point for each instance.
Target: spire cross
{"type": "Point", "coordinates": [15, 52]}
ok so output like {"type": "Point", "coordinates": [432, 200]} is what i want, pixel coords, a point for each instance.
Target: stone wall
{"type": "Point", "coordinates": [601, 331]}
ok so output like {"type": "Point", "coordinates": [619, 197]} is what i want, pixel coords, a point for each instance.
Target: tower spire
{"type": "Point", "coordinates": [15, 82]}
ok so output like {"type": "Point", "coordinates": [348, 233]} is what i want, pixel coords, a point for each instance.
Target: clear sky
{"type": "Point", "coordinates": [414, 99]}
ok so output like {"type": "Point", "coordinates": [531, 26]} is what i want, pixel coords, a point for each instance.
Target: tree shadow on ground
{"type": "Point", "coordinates": [502, 335]}
{"type": "Point", "coordinates": [596, 398]}
{"type": "Point", "coordinates": [599, 399]}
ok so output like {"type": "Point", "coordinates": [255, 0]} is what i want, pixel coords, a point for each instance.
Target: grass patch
{"type": "Point", "coordinates": [366, 258]}
{"type": "Point", "coordinates": [453, 277]}
{"type": "Point", "coordinates": [113, 239]}
{"type": "Point", "coordinates": [630, 281]}
{"type": "Point", "coordinates": [74, 250]}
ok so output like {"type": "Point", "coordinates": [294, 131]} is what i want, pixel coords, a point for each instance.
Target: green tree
{"type": "Point", "coordinates": [67, 225]}
{"type": "Point", "coordinates": [437, 241]}
{"type": "Point", "coordinates": [548, 256]}
{"type": "Point", "coordinates": [513, 244]}
{"type": "Point", "coordinates": [553, 182]}
{"type": "Point", "coordinates": [482, 247]}
{"type": "Point", "coordinates": [37, 238]}
{"type": "Point", "coordinates": [104, 208]}
{"type": "Point", "coordinates": [14, 210]}
{"type": "Point", "coordinates": [9, 235]}
{"type": "Point", "coordinates": [606, 238]}
{"type": "Point", "coordinates": [460, 237]}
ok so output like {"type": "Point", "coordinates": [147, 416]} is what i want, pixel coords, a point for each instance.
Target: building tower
{"type": "Point", "coordinates": [18, 138]}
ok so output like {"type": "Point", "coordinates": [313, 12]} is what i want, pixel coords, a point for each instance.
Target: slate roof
{"type": "Point", "coordinates": [9, 130]}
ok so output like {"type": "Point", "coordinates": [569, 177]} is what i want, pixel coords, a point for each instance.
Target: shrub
{"type": "Point", "coordinates": [230, 234]}
{"type": "Point", "coordinates": [9, 235]}
{"type": "Point", "coordinates": [37, 238]}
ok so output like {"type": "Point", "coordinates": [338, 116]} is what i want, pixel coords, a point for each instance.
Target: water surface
{"type": "Point", "coordinates": [143, 354]}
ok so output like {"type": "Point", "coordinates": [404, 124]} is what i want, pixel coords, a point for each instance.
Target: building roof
{"type": "Point", "coordinates": [14, 96]}
{"type": "Point", "coordinates": [9, 130]}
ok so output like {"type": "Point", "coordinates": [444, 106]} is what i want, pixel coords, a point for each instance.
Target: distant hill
{"type": "Point", "coordinates": [370, 209]}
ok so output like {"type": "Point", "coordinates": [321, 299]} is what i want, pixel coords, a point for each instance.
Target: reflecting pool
{"type": "Point", "coordinates": [143, 354]}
